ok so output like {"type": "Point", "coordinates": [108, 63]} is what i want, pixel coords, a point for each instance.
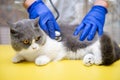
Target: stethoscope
{"type": "Point", "coordinates": [54, 9]}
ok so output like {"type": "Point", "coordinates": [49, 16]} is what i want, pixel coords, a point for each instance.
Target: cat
{"type": "Point", "coordinates": [32, 44]}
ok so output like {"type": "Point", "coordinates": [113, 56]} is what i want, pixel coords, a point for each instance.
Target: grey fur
{"type": "Point", "coordinates": [72, 42]}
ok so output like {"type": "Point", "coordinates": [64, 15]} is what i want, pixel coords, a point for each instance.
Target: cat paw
{"type": "Point", "coordinates": [42, 60]}
{"type": "Point", "coordinates": [88, 60]}
{"type": "Point", "coordinates": [17, 59]}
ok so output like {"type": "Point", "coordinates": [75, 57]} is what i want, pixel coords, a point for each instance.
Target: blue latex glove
{"type": "Point", "coordinates": [92, 22]}
{"type": "Point", "coordinates": [47, 21]}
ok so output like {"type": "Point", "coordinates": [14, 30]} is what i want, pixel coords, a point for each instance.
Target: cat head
{"type": "Point", "coordinates": [26, 34]}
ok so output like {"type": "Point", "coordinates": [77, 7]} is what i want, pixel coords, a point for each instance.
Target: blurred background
{"type": "Point", "coordinates": [13, 11]}
{"type": "Point", "coordinates": [9, 12]}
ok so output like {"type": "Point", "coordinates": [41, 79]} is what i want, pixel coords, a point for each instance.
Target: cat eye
{"type": "Point", "coordinates": [37, 38]}
{"type": "Point", "coordinates": [26, 42]}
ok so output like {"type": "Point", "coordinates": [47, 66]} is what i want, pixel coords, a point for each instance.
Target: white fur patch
{"type": "Point", "coordinates": [76, 55]}
{"type": "Point", "coordinates": [55, 50]}
{"type": "Point", "coordinates": [97, 52]}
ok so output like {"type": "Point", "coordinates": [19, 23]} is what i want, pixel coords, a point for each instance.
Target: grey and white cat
{"type": "Point", "coordinates": [32, 44]}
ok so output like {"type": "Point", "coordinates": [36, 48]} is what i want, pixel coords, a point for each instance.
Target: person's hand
{"type": "Point", "coordinates": [92, 22]}
{"type": "Point", "coordinates": [47, 21]}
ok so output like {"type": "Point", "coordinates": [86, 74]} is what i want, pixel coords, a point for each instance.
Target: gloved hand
{"type": "Point", "coordinates": [47, 21]}
{"type": "Point", "coordinates": [92, 22]}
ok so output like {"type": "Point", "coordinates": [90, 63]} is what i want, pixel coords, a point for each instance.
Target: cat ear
{"type": "Point", "coordinates": [36, 22]}
{"type": "Point", "coordinates": [13, 31]}
{"type": "Point", "coordinates": [12, 27]}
